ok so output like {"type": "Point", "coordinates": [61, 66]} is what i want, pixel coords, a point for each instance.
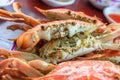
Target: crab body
{"type": "Point", "coordinates": [84, 70]}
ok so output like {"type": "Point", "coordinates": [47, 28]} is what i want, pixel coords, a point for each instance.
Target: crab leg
{"type": "Point", "coordinates": [31, 59]}
{"type": "Point", "coordinates": [18, 16]}
{"type": "Point", "coordinates": [5, 13]}
{"type": "Point", "coordinates": [11, 74]}
{"type": "Point", "coordinates": [28, 20]}
{"type": "Point", "coordinates": [12, 19]}
{"type": "Point", "coordinates": [21, 66]}
{"type": "Point", "coordinates": [17, 7]}
{"type": "Point", "coordinates": [61, 14]}
{"type": "Point", "coordinates": [18, 54]}
{"type": "Point", "coordinates": [110, 36]}
{"type": "Point", "coordinates": [53, 30]}
{"type": "Point", "coordinates": [18, 26]}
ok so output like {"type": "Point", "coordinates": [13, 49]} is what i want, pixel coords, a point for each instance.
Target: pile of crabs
{"type": "Point", "coordinates": [68, 45]}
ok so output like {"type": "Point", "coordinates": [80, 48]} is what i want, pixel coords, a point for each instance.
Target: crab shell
{"type": "Point", "coordinates": [84, 70]}
{"type": "Point", "coordinates": [63, 14]}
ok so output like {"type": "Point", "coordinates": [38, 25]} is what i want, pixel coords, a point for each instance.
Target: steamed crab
{"type": "Point", "coordinates": [16, 65]}
{"type": "Point", "coordinates": [56, 29]}
{"type": "Point", "coordinates": [70, 34]}
{"type": "Point", "coordinates": [66, 38]}
{"type": "Point", "coordinates": [84, 70]}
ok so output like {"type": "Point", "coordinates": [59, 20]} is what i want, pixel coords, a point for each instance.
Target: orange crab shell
{"type": "Point", "coordinates": [84, 70]}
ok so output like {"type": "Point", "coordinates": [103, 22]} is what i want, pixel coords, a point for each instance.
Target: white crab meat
{"type": "Point", "coordinates": [67, 48]}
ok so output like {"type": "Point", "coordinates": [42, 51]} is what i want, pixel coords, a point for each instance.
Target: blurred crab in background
{"type": "Point", "coordinates": [16, 65]}
{"type": "Point", "coordinates": [68, 36]}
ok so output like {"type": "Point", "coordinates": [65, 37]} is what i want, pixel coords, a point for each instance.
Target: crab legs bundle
{"type": "Point", "coordinates": [16, 65]}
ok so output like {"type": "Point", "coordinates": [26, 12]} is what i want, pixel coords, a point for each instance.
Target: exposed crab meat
{"type": "Point", "coordinates": [67, 48]}
{"type": "Point", "coordinates": [84, 70]}
{"type": "Point", "coordinates": [107, 54]}
{"type": "Point", "coordinates": [53, 30]}
{"type": "Point", "coordinates": [112, 55]}
{"type": "Point", "coordinates": [61, 14]}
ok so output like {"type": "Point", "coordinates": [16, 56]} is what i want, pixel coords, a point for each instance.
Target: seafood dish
{"type": "Point", "coordinates": [69, 45]}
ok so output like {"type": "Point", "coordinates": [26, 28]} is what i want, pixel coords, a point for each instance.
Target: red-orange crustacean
{"type": "Point", "coordinates": [84, 70]}
{"type": "Point", "coordinates": [73, 35]}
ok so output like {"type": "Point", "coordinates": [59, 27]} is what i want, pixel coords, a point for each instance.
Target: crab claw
{"type": "Point", "coordinates": [42, 66]}
{"type": "Point", "coordinates": [27, 40]}
{"type": "Point", "coordinates": [17, 7]}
